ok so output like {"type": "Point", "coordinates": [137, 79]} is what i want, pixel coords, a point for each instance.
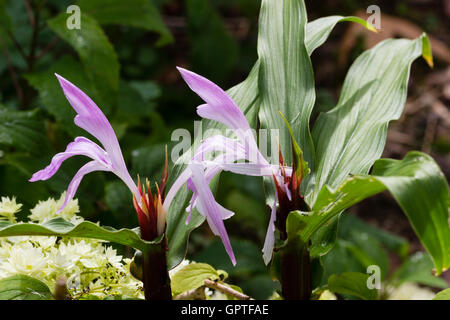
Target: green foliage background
{"type": "Point", "coordinates": [124, 57]}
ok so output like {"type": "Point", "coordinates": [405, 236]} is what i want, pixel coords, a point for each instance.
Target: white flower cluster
{"type": "Point", "coordinates": [91, 267]}
{"type": "Point", "coordinates": [8, 209]}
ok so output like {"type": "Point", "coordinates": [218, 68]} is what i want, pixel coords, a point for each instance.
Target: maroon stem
{"type": "Point", "coordinates": [295, 272]}
{"type": "Point", "coordinates": [155, 275]}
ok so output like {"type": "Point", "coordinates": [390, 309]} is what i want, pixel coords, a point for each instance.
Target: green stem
{"type": "Point", "coordinates": [155, 275]}
{"type": "Point", "coordinates": [295, 271]}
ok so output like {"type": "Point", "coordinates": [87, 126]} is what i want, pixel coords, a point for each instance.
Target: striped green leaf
{"type": "Point", "coordinates": [416, 183]}
{"type": "Point", "coordinates": [351, 136]}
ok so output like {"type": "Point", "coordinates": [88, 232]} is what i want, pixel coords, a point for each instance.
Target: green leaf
{"type": "Point", "coordinates": [352, 283]}
{"type": "Point", "coordinates": [95, 51]}
{"type": "Point", "coordinates": [299, 166]}
{"type": "Point", "coordinates": [86, 229]}
{"type": "Point", "coordinates": [192, 276]}
{"type": "Point", "coordinates": [23, 130]}
{"type": "Point", "coordinates": [418, 185]}
{"type": "Point", "coordinates": [317, 31]}
{"type": "Point", "coordinates": [350, 137]}
{"type": "Point", "coordinates": [443, 295]}
{"type": "Point", "coordinates": [22, 287]}
{"type": "Point", "coordinates": [286, 80]}
{"type": "Point", "coordinates": [324, 239]}
{"type": "Point", "coordinates": [135, 13]}
{"type": "Point", "coordinates": [417, 269]}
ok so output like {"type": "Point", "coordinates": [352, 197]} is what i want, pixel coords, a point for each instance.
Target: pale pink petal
{"type": "Point", "coordinates": [73, 186]}
{"type": "Point", "coordinates": [219, 106]}
{"type": "Point", "coordinates": [209, 207]}
{"type": "Point", "coordinates": [179, 182]}
{"type": "Point", "coordinates": [80, 146]}
{"type": "Point", "coordinates": [270, 236]}
{"type": "Point", "coordinates": [219, 143]}
{"type": "Point", "coordinates": [91, 118]}
{"type": "Point", "coordinates": [249, 169]}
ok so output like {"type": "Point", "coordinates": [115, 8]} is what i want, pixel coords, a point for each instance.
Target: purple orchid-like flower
{"type": "Point", "coordinates": [203, 167]}
{"type": "Point", "coordinates": [109, 158]}
{"type": "Point", "coordinates": [149, 208]}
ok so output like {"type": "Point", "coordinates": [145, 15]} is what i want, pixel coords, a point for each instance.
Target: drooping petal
{"type": "Point", "coordinates": [269, 242]}
{"type": "Point", "coordinates": [80, 146]}
{"type": "Point", "coordinates": [73, 186]}
{"type": "Point", "coordinates": [210, 208]}
{"type": "Point", "coordinates": [219, 106]}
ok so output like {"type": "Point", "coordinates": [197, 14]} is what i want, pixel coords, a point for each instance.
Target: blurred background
{"type": "Point", "coordinates": [124, 57]}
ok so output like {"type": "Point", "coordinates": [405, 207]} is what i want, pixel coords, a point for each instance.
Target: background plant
{"type": "Point", "coordinates": [142, 108]}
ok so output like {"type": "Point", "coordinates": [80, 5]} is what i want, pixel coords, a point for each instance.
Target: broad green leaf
{"type": "Point", "coordinates": [324, 239]}
{"type": "Point", "coordinates": [443, 295]}
{"type": "Point", "coordinates": [86, 229]}
{"type": "Point", "coordinates": [417, 269]}
{"type": "Point", "coordinates": [245, 95]}
{"type": "Point", "coordinates": [286, 80]}
{"type": "Point", "coordinates": [135, 13]}
{"type": "Point", "coordinates": [22, 130]}
{"type": "Point", "coordinates": [418, 185]}
{"type": "Point", "coordinates": [352, 283]}
{"type": "Point", "coordinates": [317, 31]}
{"type": "Point", "coordinates": [350, 137]}
{"type": "Point", "coordinates": [192, 276]}
{"type": "Point", "coordinates": [95, 51]}
{"type": "Point", "coordinates": [22, 287]}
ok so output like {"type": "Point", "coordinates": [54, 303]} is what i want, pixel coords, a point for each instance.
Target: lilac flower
{"type": "Point", "coordinates": [109, 158]}
{"type": "Point", "coordinates": [203, 167]}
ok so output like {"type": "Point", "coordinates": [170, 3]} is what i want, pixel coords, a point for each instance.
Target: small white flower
{"type": "Point", "coordinates": [113, 258]}
{"type": "Point", "coordinates": [8, 208]}
{"type": "Point", "coordinates": [25, 260]}
{"type": "Point", "coordinates": [48, 209]}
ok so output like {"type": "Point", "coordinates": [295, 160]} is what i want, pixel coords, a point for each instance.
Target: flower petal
{"type": "Point", "coordinates": [234, 150]}
{"type": "Point", "coordinates": [80, 146]}
{"type": "Point", "coordinates": [179, 182]}
{"type": "Point", "coordinates": [219, 106]}
{"type": "Point", "coordinates": [270, 236]}
{"type": "Point", "coordinates": [210, 208]}
{"type": "Point", "coordinates": [248, 169]}
{"type": "Point", "coordinates": [73, 186]}
{"type": "Point", "coordinates": [91, 118]}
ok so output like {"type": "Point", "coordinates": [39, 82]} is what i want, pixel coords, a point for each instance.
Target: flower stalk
{"type": "Point", "coordinates": [295, 271]}
{"type": "Point", "coordinates": [155, 276]}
